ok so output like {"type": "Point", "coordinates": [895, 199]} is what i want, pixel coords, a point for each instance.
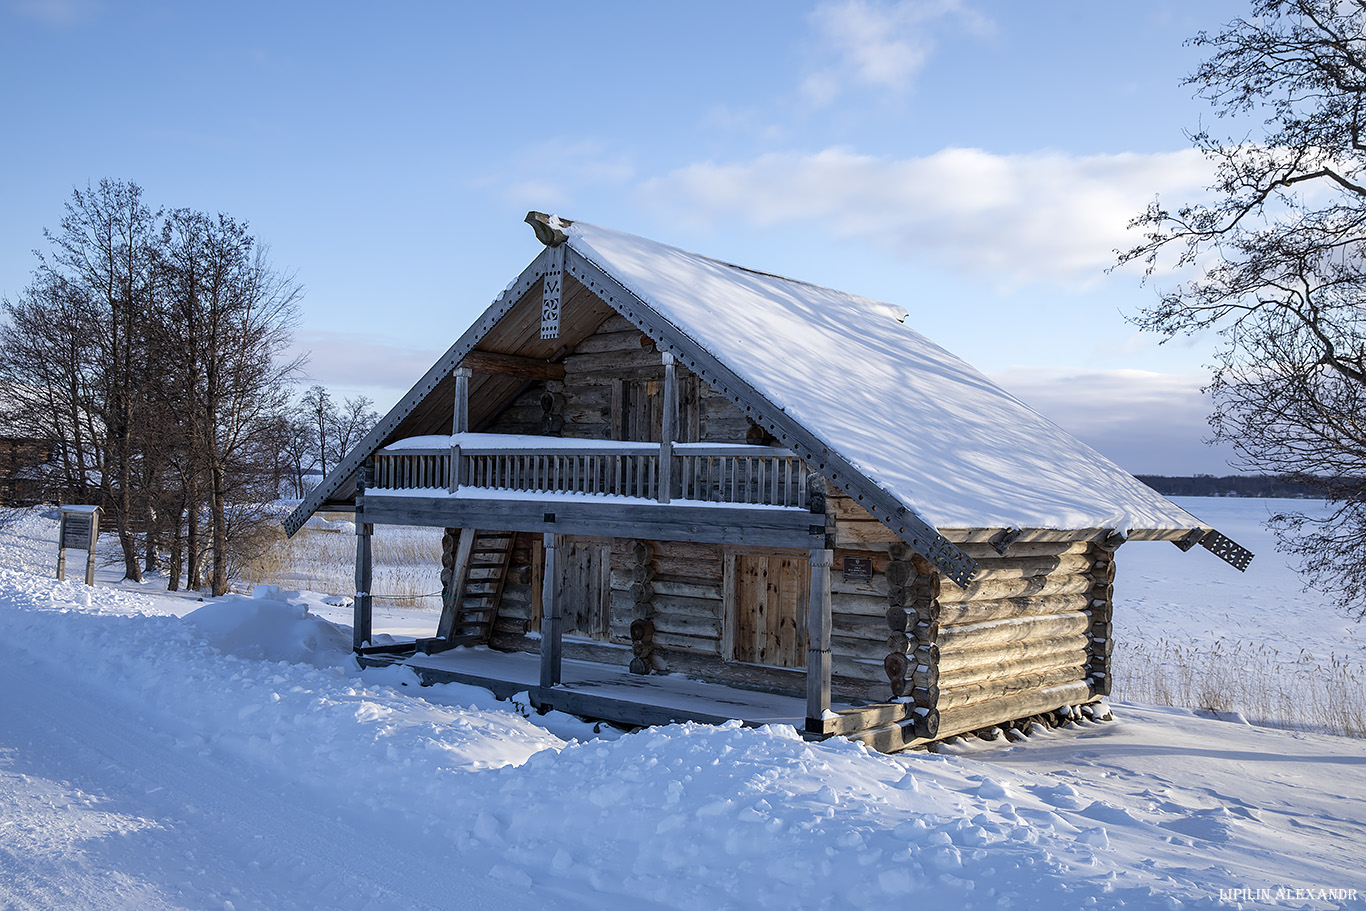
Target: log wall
{"type": "Point", "coordinates": [612, 390]}
{"type": "Point", "coordinates": [1032, 633]}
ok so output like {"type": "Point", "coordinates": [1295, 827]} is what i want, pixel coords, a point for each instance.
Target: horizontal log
{"type": "Point", "coordinates": [866, 669]}
{"type": "Point", "coordinates": [987, 690]}
{"type": "Point", "coordinates": [858, 605]}
{"type": "Point", "coordinates": [1028, 567]}
{"type": "Point", "coordinates": [702, 645]}
{"type": "Point", "coordinates": [686, 607]}
{"type": "Point", "coordinates": [951, 660]}
{"type": "Point", "coordinates": [1015, 629]}
{"type": "Point", "coordinates": [996, 589]}
{"type": "Point", "coordinates": [621, 340]}
{"type": "Point", "coordinates": [1004, 608]}
{"type": "Point", "coordinates": [876, 587]}
{"type": "Point", "coordinates": [683, 550]}
{"type": "Point", "coordinates": [858, 627]}
{"type": "Point", "coordinates": [710, 569]}
{"type": "Point", "coordinates": [1017, 549]}
{"type": "Point", "coordinates": [490, 362]}
{"type": "Point", "coordinates": [1075, 657]}
{"type": "Point", "coordinates": [606, 365]}
{"type": "Point", "coordinates": [1009, 708]}
{"type": "Point", "coordinates": [850, 533]}
{"type": "Point", "coordinates": [685, 625]}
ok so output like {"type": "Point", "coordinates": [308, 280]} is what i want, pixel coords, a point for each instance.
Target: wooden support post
{"type": "Point", "coordinates": [818, 628]}
{"type": "Point", "coordinates": [90, 552]}
{"type": "Point", "coordinates": [552, 625]}
{"type": "Point", "coordinates": [361, 618]}
{"type": "Point", "coordinates": [821, 557]}
{"type": "Point", "coordinates": [669, 432]}
{"type": "Point", "coordinates": [460, 420]}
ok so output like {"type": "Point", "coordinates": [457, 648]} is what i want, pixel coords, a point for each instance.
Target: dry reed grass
{"type": "Point", "coordinates": [407, 564]}
{"type": "Point", "coordinates": [1297, 691]}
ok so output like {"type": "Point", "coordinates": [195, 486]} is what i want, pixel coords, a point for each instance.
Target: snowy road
{"type": "Point", "coordinates": [97, 811]}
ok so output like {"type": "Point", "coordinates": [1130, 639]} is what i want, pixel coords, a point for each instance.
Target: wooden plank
{"type": "Point", "coordinates": [723, 525]}
{"type": "Point", "coordinates": [500, 364]}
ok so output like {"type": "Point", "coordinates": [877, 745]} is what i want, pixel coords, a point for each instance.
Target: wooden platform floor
{"type": "Point", "coordinates": [608, 692]}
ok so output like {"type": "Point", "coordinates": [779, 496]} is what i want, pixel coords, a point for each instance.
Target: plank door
{"type": "Point", "coordinates": [584, 584]}
{"type": "Point", "coordinates": [639, 409]}
{"type": "Point", "coordinates": [768, 609]}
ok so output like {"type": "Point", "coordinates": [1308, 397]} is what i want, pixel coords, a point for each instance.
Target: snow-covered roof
{"type": "Point", "coordinates": [925, 426]}
{"type": "Point", "coordinates": [922, 440]}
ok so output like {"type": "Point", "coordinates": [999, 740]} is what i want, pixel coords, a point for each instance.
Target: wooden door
{"type": "Point", "coordinates": [584, 584]}
{"type": "Point", "coordinates": [769, 602]}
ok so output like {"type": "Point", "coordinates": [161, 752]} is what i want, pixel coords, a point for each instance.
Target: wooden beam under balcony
{"type": "Point", "coordinates": [512, 365]}
{"type": "Point", "coordinates": [758, 526]}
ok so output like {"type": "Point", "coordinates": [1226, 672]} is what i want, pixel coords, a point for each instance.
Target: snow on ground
{"type": "Point", "coordinates": [163, 753]}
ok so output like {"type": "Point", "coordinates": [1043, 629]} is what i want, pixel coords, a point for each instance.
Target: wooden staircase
{"type": "Point", "coordinates": [481, 568]}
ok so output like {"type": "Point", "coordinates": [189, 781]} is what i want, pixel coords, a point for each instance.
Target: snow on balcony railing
{"type": "Point", "coordinates": [720, 473]}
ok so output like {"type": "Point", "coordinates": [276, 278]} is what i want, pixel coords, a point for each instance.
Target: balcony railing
{"type": "Point", "coordinates": [717, 473]}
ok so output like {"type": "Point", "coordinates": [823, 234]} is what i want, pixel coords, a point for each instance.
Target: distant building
{"type": "Point", "coordinates": [23, 477]}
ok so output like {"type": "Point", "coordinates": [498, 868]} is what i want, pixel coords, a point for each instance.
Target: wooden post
{"type": "Point", "coordinates": [670, 429]}
{"type": "Point", "coordinates": [818, 638]}
{"type": "Point", "coordinates": [460, 420]}
{"type": "Point", "coordinates": [361, 616]}
{"type": "Point", "coordinates": [821, 557]}
{"type": "Point", "coordinates": [552, 625]}
{"type": "Point", "coordinates": [90, 553]}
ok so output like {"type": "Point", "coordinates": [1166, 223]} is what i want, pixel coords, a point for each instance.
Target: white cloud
{"type": "Point", "coordinates": [1044, 216]}
{"type": "Point", "coordinates": [874, 43]}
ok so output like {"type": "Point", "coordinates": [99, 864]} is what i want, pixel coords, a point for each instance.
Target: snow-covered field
{"type": "Point", "coordinates": [157, 752]}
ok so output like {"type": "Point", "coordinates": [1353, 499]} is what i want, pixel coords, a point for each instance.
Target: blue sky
{"type": "Point", "coordinates": [974, 162]}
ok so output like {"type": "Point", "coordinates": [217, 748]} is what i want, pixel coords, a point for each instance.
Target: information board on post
{"type": "Point", "coordinates": [80, 529]}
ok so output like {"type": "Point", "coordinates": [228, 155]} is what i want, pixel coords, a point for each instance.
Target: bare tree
{"type": "Point", "coordinates": [152, 349]}
{"type": "Point", "coordinates": [1277, 255]}
{"type": "Point", "coordinates": [234, 314]}
{"type": "Point", "coordinates": [331, 430]}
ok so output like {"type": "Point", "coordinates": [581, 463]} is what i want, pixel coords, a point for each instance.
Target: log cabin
{"type": "Point", "coordinates": [673, 488]}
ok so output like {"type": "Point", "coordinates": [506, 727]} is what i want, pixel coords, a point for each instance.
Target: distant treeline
{"type": "Point", "coordinates": [1242, 485]}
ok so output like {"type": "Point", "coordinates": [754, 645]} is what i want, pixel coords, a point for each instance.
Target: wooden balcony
{"type": "Point", "coordinates": [691, 472]}
{"type": "Point", "coordinates": [732, 494]}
